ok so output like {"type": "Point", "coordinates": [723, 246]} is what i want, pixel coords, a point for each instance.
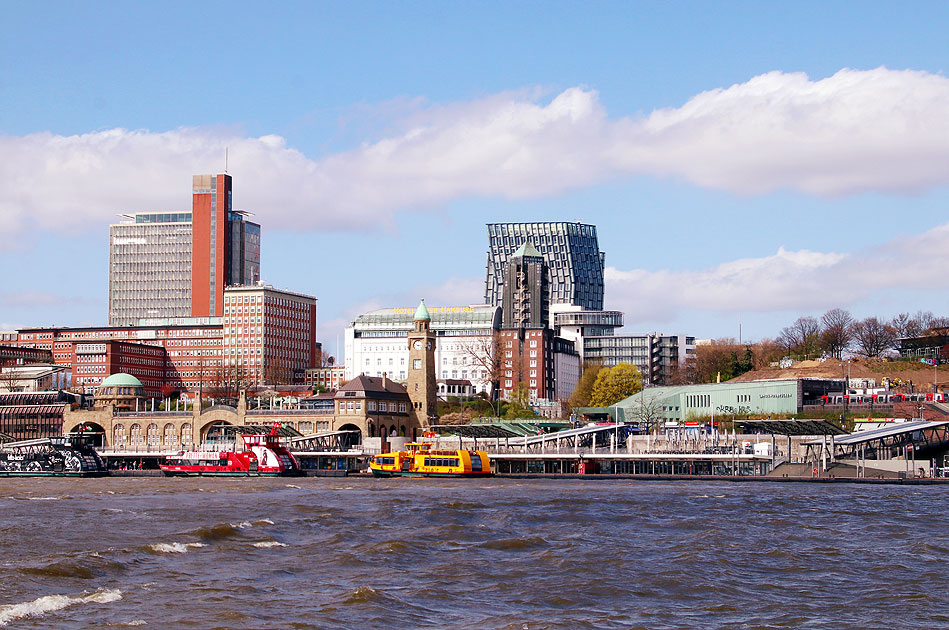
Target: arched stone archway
{"type": "Point", "coordinates": [211, 431]}
{"type": "Point", "coordinates": [216, 416]}
{"type": "Point", "coordinates": [96, 430]}
{"type": "Point", "coordinates": [352, 427]}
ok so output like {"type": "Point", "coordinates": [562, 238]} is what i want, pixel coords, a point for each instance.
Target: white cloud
{"type": "Point", "coordinates": [798, 281]}
{"type": "Point", "coordinates": [876, 130]}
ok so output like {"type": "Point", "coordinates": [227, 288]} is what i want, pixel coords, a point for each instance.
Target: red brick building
{"type": "Point", "coordinates": [181, 357]}
{"type": "Point", "coordinates": [526, 356]}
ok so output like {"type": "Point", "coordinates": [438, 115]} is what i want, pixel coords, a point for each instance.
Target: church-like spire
{"type": "Point", "coordinates": [421, 312]}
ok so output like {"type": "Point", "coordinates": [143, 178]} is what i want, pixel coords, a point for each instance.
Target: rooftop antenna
{"type": "Point", "coordinates": [225, 159]}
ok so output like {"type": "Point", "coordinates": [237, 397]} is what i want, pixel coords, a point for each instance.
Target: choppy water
{"type": "Point", "coordinates": [494, 553]}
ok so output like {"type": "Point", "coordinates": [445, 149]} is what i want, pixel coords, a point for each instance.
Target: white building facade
{"type": "Point", "coordinates": [377, 343]}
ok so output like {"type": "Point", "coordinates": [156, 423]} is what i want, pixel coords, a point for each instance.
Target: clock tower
{"type": "Point", "coordinates": [421, 385]}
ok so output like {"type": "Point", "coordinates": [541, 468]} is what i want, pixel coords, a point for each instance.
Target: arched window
{"type": "Point", "coordinates": [136, 434]}
{"type": "Point", "coordinates": [152, 434]}
{"type": "Point", "coordinates": [187, 434]}
{"type": "Point", "coordinates": [171, 436]}
{"type": "Point", "coordinates": [118, 435]}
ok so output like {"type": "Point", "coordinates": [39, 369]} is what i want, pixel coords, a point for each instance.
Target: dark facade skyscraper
{"type": "Point", "coordinates": [570, 250]}
{"type": "Point", "coordinates": [526, 300]}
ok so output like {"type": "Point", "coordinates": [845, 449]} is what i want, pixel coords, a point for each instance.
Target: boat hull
{"type": "Point", "coordinates": [50, 473]}
{"type": "Point", "coordinates": [179, 473]}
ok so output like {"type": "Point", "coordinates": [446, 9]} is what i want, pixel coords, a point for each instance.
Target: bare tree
{"type": "Point", "coordinates": [837, 334]}
{"type": "Point", "coordinates": [873, 337]}
{"type": "Point", "coordinates": [767, 351]}
{"type": "Point", "coordinates": [277, 372]}
{"type": "Point", "coordinates": [647, 411]}
{"type": "Point", "coordinates": [10, 379]}
{"type": "Point", "coordinates": [228, 381]}
{"type": "Point", "coordinates": [484, 353]}
{"type": "Point", "coordinates": [902, 325]}
{"type": "Point", "coordinates": [802, 337]}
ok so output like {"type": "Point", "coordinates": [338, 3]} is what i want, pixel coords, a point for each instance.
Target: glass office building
{"type": "Point", "coordinates": [574, 261]}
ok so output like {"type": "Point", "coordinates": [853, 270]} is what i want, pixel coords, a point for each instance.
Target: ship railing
{"type": "Point", "coordinates": [145, 449]}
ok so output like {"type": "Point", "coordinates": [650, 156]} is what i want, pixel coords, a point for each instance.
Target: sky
{"type": "Point", "coordinates": [745, 163]}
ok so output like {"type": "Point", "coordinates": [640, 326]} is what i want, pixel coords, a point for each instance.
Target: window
{"type": "Point", "coordinates": [417, 364]}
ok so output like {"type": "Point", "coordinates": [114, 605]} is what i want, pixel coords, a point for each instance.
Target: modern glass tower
{"type": "Point", "coordinates": [176, 264]}
{"type": "Point", "coordinates": [570, 250]}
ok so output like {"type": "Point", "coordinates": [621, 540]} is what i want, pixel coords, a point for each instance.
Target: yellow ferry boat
{"type": "Point", "coordinates": [419, 460]}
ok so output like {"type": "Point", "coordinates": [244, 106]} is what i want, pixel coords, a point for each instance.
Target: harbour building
{"type": "Point", "coordinates": [658, 356]}
{"type": "Point", "coordinates": [376, 344]}
{"type": "Point", "coordinates": [681, 405]}
{"type": "Point", "coordinates": [174, 264]}
{"type": "Point", "coordinates": [570, 250]}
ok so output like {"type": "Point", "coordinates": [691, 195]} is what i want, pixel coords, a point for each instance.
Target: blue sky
{"type": "Point", "coordinates": [752, 160]}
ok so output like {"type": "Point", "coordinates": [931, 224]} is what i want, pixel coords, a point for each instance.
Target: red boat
{"type": "Point", "coordinates": [262, 456]}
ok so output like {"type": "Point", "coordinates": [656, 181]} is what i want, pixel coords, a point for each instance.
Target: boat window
{"type": "Point", "coordinates": [385, 461]}
{"type": "Point", "coordinates": [441, 461]}
{"type": "Point", "coordinates": [475, 461]}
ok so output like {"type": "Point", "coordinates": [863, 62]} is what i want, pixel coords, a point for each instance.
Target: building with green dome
{"type": "Point", "coordinates": [121, 390]}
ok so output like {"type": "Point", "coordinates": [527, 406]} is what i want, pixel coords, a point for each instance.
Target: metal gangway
{"type": "Point", "coordinates": [586, 439]}
{"type": "Point", "coordinates": [324, 442]}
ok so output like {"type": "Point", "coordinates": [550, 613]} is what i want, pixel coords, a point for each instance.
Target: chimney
{"type": "Point", "coordinates": [384, 379]}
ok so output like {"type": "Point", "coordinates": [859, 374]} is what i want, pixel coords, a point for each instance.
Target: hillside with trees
{"type": "Point", "coordinates": [816, 347]}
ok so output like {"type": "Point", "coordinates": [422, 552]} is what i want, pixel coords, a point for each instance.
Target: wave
{"type": "Point", "coordinates": [515, 544]}
{"type": "Point", "coordinates": [52, 603]}
{"type": "Point", "coordinates": [174, 547]}
{"type": "Point", "coordinates": [81, 566]}
{"type": "Point", "coordinates": [362, 595]}
{"type": "Point", "coordinates": [269, 543]}
{"type": "Point", "coordinates": [218, 532]}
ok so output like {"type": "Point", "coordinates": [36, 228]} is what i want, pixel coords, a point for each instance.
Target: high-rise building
{"type": "Point", "coordinates": [176, 264]}
{"type": "Point", "coordinates": [570, 250]}
{"type": "Point", "coordinates": [526, 301]}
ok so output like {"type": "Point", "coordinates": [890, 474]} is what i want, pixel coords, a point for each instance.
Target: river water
{"type": "Point", "coordinates": [489, 553]}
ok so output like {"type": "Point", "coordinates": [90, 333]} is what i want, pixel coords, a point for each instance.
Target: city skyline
{"type": "Point", "coordinates": [741, 162]}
